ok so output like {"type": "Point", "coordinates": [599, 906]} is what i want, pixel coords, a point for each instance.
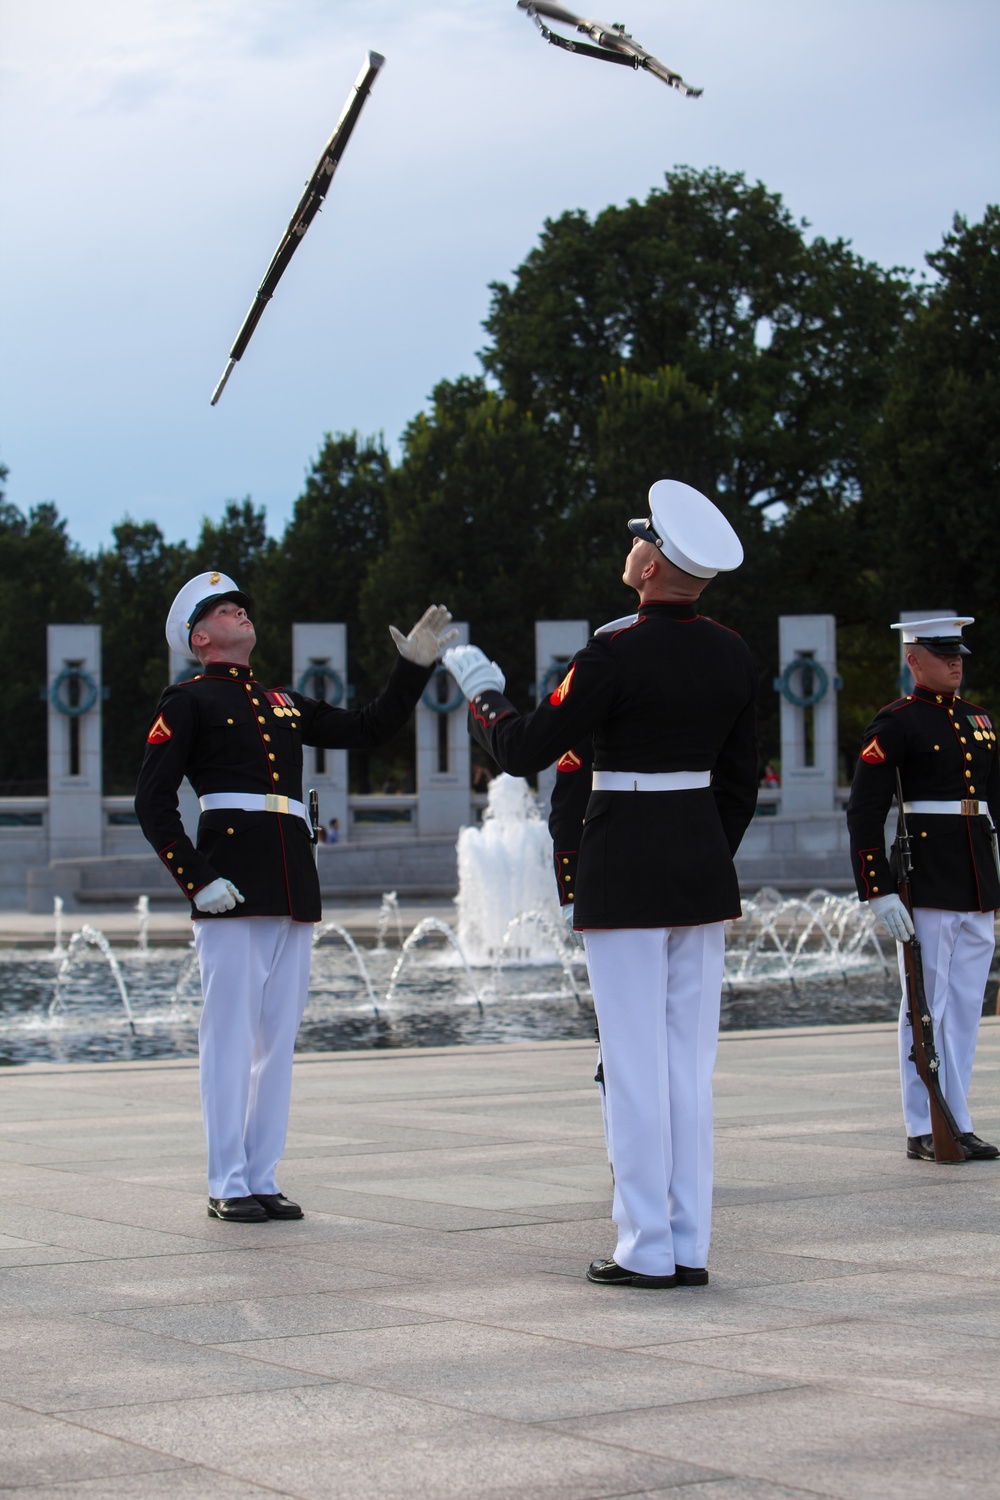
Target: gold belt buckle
{"type": "Point", "coordinates": [274, 803]}
{"type": "Point", "coordinates": [970, 807]}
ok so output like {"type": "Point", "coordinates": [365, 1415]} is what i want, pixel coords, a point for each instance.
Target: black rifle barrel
{"type": "Point", "coordinates": [553, 12]}
{"type": "Point", "coordinates": [306, 210]}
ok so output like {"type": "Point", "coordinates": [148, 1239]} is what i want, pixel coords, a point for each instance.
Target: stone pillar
{"type": "Point", "coordinates": [556, 643]}
{"type": "Point", "coordinates": [76, 813]}
{"type": "Point", "coordinates": [808, 653]}
{"type": "Point", "coordinates": [319, 669]}
{"type": "Point", "coordinates": [444, 760]}
{"type": "Point", "coordinates": [906, 615]}
{"type": "Point", "coordinates": [181, 667]}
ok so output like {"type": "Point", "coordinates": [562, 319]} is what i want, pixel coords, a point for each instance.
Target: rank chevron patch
{"type": "Point", "coordinates": [873, 753]}
{"type": "Point", "coordinates": [569, 762]}
{"type": "Point", "coordinates": [160, 732]}
{"type": "Point", "coordinates": [562, 691]}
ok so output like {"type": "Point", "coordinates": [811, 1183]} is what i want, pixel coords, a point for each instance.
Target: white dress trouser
{"type": "Point", "coordinates": [657, 993]}
{"type": "Point", "coordinates": [255, 980]}
{"type": "Point", "coordinates": [957, 948]}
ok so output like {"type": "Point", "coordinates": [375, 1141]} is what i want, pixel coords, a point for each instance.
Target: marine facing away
{"type": "Point", "coordinates": [250, 874]}
{"type": "Point", "coordinates": [945, 749]}
{"type": "Point", "coordinates": [669, 700]}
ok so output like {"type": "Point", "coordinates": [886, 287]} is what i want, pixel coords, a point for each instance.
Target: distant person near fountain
{"type": "Point", "coordinates": [669, 699]}
{"type": "Point", "coordinates": [945, 750]}
{"type": "Point", "coordinates": [252, 879]}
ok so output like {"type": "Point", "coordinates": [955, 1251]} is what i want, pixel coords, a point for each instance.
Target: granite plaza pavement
{"type": "Point", "coordinates": [427, 1330]}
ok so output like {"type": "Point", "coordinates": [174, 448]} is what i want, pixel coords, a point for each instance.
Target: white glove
{"type": "Point", "coordinates": [218, 895]}
{"type": "Point", "coordinates": [428, 637]}
{"type": "Point", "coordinates": [890, 912]}
{"type": "Point", "coordinates": [473, 671]}
{"type": "Point", "coordinates": [567, 915]}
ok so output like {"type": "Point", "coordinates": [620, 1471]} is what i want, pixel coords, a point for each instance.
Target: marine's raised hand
{"type": "Point", "coordinates": [428, 638]}
{"type": "Point", "coordinates": [473, 670]}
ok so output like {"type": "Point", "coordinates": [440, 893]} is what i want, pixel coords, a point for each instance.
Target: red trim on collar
{"type": "Point", "coordinates": [928, 695]}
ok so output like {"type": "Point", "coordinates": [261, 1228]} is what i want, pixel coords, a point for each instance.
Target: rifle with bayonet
{"type": "Point", "coordinates": [944, 1130]}
{"type": "Point", "coordinates": [610, 43]}
{"type": "Point", "coordinates": [306, 210]}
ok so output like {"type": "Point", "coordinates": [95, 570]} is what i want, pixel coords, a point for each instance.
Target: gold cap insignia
{"type": "Point", "coordinates": [215, 578]}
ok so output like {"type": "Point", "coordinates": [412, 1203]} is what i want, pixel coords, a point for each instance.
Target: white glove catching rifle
{"type": "Point", "coordinates": [892, 915]}
{"type": "Point", "coordinates": [473, 670]}
{"type": "Point", "coordinates": [428, 637]}
{"type": "Point", "coordinates": [218, 896]}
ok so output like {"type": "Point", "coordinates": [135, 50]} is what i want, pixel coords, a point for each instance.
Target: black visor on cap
{"type": "Point", "coordinates": [943, 645]}
{"type": "Point", "coordinates": [643, 528]}
{"type": "Point", "coordinates": [204, 605]}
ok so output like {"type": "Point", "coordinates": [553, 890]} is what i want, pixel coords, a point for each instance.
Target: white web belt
{"type": "Point", "coordinates": [254, 802]}
{"type": "Point", "coordinates": [651, 781]}
{"type": "Point", "coordinates": [968, 808]}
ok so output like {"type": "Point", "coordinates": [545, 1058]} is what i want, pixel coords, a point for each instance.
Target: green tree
{"type": "Point", "coordinates": [929, 513]}
{"type": "Point", "coordinates": [239, 546]}
{"type": "Point", "coordinates": [661, 426]}
{"type": "Point", "coordinates": [713, 278]}
{"type": "Point", "coordinates": [475, 515]}
{"type": "Point", "coordinates": [135, 582]}
{"type": "Point", "coordinates": [337, 530]}
{"type": "Point", "coordinates": [44, 579]}
{"type": "Point", "coordinates": [700, 336]}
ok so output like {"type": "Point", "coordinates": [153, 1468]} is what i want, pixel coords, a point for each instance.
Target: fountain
{"type": "Point", "coordinates": [142, 914]}
{"type": "Point", "coordinates": [58, 921]}
{"type": "Point", "coordinates": [388, 912]}
{"type": "Point", "coordinates": [431, 924]}
{"type": "Point", "coordinates": [795, 938]}
{"type": "Point", "coordinates": [187, 976]}
{"type": "Point", "coordinates": [568, 947]}
{"type": "Point", "coordinates": [76, 944]}
{"type": "Point", "coordinates": [327, 929]}
{"type": "Point", "coordinates": [507, 970]}
{"type": "Point", "coordinates": [504, 871]}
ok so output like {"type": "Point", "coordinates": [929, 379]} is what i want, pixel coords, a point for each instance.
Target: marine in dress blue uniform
{"type": "Point", "coordinates": [644, 852]}
{"type": "Point", "coordinates": [945, 748]}
{"type": "Point", "coordinates": [250, 873]}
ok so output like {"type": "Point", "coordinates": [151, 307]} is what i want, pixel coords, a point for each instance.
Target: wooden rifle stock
{"type": "Point", "coordinates": [944, 1130]}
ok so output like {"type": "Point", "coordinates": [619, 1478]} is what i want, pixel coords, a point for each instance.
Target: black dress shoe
{"type": "Point", "coordinates": [277, 1206]}
{"type": "Point", "coordinates": [977, 1150]}
{"type": "Point", "coordinates": [691, 1276]}
{"type": "Point", "coordinates": [610, 1273]}
{"type": "Point", "coordinates": [920, 1147]}
{"type": "Point", "coordinates": [237, 1210]}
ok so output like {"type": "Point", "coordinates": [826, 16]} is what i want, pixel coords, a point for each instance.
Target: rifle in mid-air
{"type": "Point", "coordinates": [306, 210]}
{"type": "Point", "coordinates": [613, 43]}
{"type": "Point", "coordinates": [944, 1130]}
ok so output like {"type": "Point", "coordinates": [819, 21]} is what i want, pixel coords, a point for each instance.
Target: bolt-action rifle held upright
{"type": "Point", "coordinates": [947, 1145]}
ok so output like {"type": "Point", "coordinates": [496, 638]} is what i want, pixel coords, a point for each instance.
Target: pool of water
{"type": "Point", "coordinates": [434, 1004]}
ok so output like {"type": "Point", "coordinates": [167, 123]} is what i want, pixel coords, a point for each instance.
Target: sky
{"type": "Point", "coordinates": [152, 151]}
